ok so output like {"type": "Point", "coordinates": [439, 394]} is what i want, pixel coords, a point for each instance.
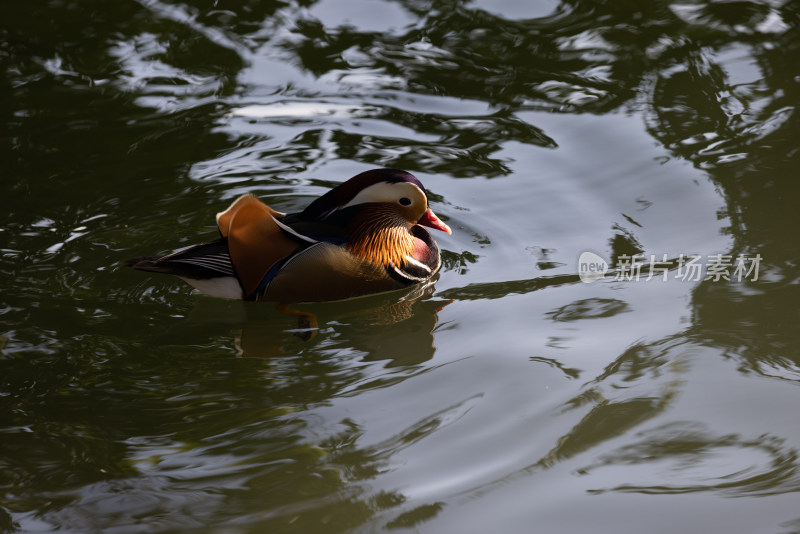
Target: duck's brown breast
{"type": "Point", "coordinates": [327, 272]}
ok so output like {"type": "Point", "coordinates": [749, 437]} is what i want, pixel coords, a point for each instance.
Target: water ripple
{"type": "Point", "coordinates": [686, 458]}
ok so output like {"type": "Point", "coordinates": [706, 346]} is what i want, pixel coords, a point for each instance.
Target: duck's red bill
{"type": "Point", "coordinates": [430, 220]}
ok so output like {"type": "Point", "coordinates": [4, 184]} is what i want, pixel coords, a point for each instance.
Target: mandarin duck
{"type": "Point", "coordinates": [364, 236]}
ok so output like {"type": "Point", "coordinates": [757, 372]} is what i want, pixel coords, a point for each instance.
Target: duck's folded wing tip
{"type": "Point", "coordinates": [206, 260]}
{"type": "Point", "coordinates": [142, 263]}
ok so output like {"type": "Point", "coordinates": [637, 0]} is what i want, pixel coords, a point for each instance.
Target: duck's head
{"type": "Point", "coordinates": [379, 191]}
{"type": "Point", "coordinates": [380, 209]}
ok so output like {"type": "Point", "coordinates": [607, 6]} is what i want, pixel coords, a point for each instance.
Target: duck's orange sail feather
{"type": "Point", "coordinates": [255, 241]}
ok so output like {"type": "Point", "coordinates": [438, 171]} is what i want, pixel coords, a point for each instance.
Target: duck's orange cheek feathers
{"type": "Point", "coordinates": [430, 220]}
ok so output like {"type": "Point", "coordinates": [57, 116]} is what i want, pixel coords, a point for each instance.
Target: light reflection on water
{"type": "Point", "coordinates": [508, 394]}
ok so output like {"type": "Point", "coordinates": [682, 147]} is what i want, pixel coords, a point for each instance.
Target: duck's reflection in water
{"type": "Point", "coordinates": [396, 326]}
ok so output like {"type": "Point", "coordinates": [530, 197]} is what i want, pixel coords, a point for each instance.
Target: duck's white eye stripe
{"type": "Point", "coordinates": [387, 192]}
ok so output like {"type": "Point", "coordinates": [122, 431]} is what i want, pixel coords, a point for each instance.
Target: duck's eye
{"type": "Point", "coordinates": [405, 201]}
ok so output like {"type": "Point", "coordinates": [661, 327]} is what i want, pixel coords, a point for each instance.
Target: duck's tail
{"type": "Point", "coordinates": [206, 266]}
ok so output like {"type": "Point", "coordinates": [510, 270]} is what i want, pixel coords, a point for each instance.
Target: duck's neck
{"type": "Point", "coordinates": [382, 237]}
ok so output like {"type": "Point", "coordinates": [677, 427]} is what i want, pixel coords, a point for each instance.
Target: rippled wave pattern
{"type": "Point", "coordinates": [508, 395]}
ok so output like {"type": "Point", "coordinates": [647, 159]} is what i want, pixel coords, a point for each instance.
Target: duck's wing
{"type": "Point", "coordinates": [200, 262]}
{"type": "Point", "coordinates": [206, 266]}
{"type": "Point", "coordinates": [257, 240]}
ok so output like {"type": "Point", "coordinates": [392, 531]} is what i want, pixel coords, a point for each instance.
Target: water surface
{"type": "Point", "coordinates": [507, 397]}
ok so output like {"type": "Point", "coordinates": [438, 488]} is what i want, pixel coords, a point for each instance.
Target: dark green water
{"type": "Point", "coordinates": [508, 397]}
